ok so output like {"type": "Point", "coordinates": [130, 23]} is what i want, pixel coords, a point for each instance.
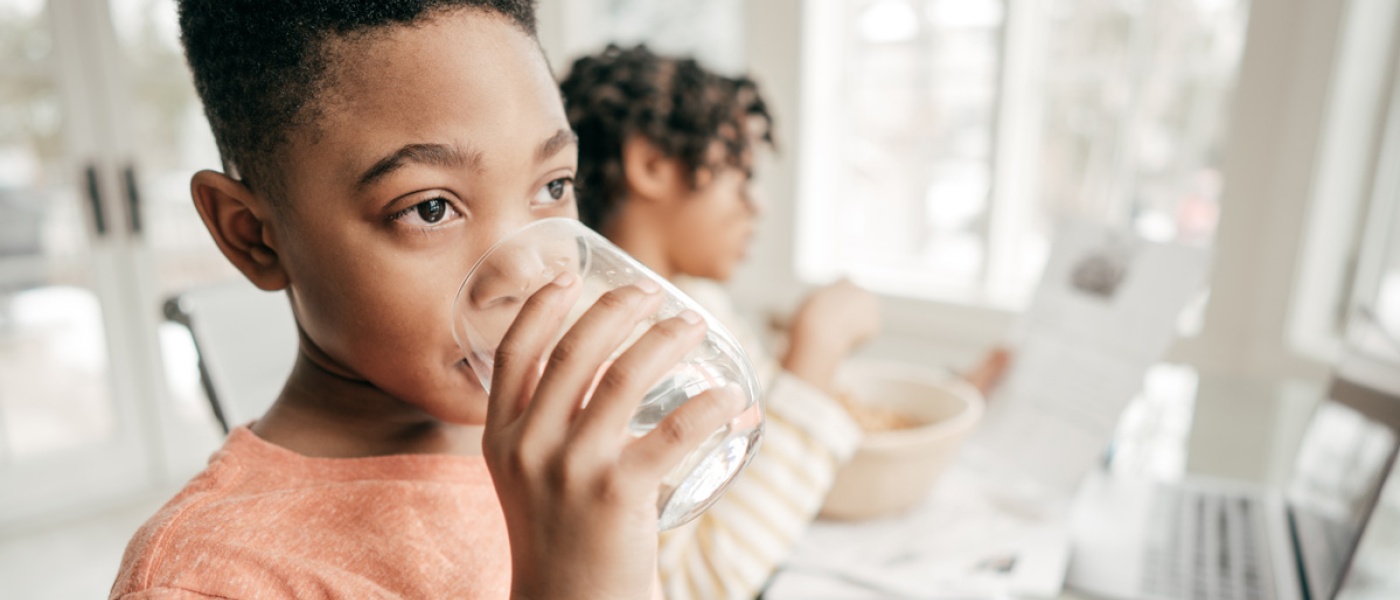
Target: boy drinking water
{"type": "Point", "coordinates": [372, 151]}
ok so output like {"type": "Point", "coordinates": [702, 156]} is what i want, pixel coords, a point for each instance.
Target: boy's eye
{"type": "Point", "coordinates": [555, 191]}
{"type": "Point", "coordinates": [427, 213]}
{"type": "Point", "coordinates": [431, 211]}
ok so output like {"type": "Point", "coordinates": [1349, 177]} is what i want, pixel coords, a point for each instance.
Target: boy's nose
{"type": "Point", "coordinates": [507, 278]}
{"type": "Point", "coordinates": [517, 269]}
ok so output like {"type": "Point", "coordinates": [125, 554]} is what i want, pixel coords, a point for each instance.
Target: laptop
{"type": "Point", "coordinates": [1372, 574]}
{"type": "Point", "coordinates": [1223, 540]}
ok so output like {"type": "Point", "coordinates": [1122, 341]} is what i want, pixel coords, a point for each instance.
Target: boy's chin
{"type": "Point", "coordinates": [468, 398]}
{"type": "Point", "coordinates": [458, 410]}
{"type": "Point", "coordinates": [470, 379]}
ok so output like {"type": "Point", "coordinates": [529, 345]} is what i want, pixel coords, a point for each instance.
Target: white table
{"type": "Point", "coordinates": [1240, 429]}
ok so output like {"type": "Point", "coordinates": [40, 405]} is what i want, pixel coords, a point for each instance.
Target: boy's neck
{"type": "Point", "coordinates": [641, 238]}
{"type": "Point", "coordinates": [322, 414]}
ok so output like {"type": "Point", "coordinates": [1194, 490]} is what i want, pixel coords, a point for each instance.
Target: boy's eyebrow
{"type": "Point", "coordinates": [560, 140]}
{"type": "Point", "coordinates": [442, 155]}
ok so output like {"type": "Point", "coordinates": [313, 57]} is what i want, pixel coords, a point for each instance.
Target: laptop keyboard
{"type": "Point", "coordinates": [1205, 546]}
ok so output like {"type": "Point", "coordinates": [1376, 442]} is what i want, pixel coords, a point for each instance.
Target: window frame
{"type": "Point", "coordinates": [1014, 202]}
{"type": "Point", "coordinates": [1005, 204]}
{"type": "Point", "coordinates": [1353, 200]}
{"type": "Point", "coordinates": [1284, 88]}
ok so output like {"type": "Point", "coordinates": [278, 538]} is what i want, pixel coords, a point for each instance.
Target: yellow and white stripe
{"type": "Point", "coordinates": [732, 549]}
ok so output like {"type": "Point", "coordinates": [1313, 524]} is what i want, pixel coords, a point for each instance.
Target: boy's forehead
{"type": "Point", "coordinates": [467, 76]}
{"type": "Point", "coordinates": [480, 56]}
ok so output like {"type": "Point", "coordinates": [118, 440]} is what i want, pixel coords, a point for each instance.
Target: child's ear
{"type": "Point", "coordinates": [239, 222]}
{"type": "Point", "coordinates": [651, 175]}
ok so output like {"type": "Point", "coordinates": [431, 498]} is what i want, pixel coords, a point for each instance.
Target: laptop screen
{"type": "Point", "coordinates": [1372, 575]}
{"type": "Point", "coordinates": [1342, 460]}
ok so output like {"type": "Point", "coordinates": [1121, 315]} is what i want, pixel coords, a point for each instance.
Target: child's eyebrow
{"type": "Point", "coordinates": [441, 155]}
{"type": "Point", "coordinates": [560, 140]}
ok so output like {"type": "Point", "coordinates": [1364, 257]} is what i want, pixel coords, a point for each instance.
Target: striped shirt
{"type": "Point", "coordinates": [733, 549]}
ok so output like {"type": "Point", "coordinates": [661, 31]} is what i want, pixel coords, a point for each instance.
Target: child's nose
{"type": "Point", "coordinates": [519, 266]}
{"type": "Point", "coordinates": [753, 199]}
{"type": "Point", "coordinates": [508, 277]}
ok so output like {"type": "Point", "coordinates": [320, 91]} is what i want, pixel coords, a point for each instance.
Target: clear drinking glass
{"type": "Point", "coordinates": [525, 261]}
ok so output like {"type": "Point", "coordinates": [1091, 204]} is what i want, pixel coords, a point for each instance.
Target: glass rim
{"type": "Point", "coordinates": [597, 241]}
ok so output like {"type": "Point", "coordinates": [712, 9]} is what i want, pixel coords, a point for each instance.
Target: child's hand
{"type": "Point", "coordinates": [578, 492]}
{"type": "Point", "coordinates": [831, 323]}
{"type": "Point", "coordinates": [987, 374]}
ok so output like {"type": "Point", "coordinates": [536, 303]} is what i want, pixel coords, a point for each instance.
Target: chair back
{"type": "Point", "coordinates": [246, 340]}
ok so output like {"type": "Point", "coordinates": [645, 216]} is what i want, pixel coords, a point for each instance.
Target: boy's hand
{"type": "Point", "coordinates": [579, 493]}
{"type": "Point", "coordinates": [831, 323]}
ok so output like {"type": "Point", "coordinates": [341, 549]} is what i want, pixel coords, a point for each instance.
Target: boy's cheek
{"type": "Point", "coordinates": [447, 392]}
{"type": "Point", "coordinates": [472, 405]}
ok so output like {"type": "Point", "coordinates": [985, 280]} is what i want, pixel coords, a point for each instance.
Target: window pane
{"type": "Point", "coordinates": [937, 184]}
{"type": "Point", "coordinates": [1135, 99]}
{"type": "Point", "coordinates": [166, 114]}
{"type": "Point", "coordinates": [1133, 120]}
{"type": "Point", "coordinates": [55, 390]}
{"type": "Point", "coordinates": [24, 38]}
{"type": "Point", "coordinates": [918, 97]}
{"type": "Point", "coordinates": [1385, 301]}
{"type": "Point", "coordinates": [710, 30]}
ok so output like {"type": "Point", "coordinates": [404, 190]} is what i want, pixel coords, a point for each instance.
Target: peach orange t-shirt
{"type": "Point", "coordinates": [264, 522]}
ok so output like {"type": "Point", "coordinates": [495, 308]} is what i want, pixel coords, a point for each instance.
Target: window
{"type": "Point", "coordinates": [943, 138]}
{"type": "Point", "coordinates": [710, 30]}
{"type": "Point", "coordinates": [1350, 259]}
{"type": "Point", "coordinates": [1376, 295]}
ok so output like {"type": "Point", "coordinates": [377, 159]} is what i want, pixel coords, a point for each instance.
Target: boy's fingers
{"type": "Point", "coordinates": [659, 451]}
{"type": "Point", "coordinates": [524, 344]}
{"type": "Point", "coordinates": [627, 381]}
{"type": "Point", "coordinates": [577, 358]}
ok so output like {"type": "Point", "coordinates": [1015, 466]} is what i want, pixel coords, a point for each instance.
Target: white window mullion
{"type": "Point", "coordinates": [1342, 257]}
{"type": "Point", "coordinates": [1381, 234]}
{"type": "Point", "coordinates": [1014, 194]}
{"type": "Point", "coordinates": [818, 168]}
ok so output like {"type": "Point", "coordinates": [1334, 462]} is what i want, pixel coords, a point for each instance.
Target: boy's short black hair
{"type": "Point", "coordinates": [675, 103]}
{"type": "Point", "coordinates": [260, 65]}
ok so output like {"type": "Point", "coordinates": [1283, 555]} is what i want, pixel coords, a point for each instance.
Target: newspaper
{"type": "Point", "coordinates": [1106, 309]}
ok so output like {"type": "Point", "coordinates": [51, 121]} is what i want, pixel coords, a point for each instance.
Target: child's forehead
{"type": "Point", "coordinates": [469, 78]}
{"type": "Point", "coordinates": [488, 45]}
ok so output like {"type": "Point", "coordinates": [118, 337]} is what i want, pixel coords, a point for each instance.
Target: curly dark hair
{"type": "Point", "coordinates": [259, 65]}
{"type": "Point", "coordinates": [677, 104]}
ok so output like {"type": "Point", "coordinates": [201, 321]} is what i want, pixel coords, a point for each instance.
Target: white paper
{"type": "Point", "coordinates": [1109, 291]}
{"type": "Point", "coordinates": [1105, 310]}
{"type": "Point", "coordinates": [960, 543]}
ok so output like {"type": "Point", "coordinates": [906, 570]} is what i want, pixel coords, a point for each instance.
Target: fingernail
{"type": "Point", "coordinates": [648, 286]}
{"type": "Point", "coordinates": [564, 279]}
{"type": "Point", "coordinates": [690, 316]}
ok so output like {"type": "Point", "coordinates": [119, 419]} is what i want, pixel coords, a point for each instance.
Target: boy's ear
{"type": "Point", "coordinates": [651, 175]}
{"type": "Point", "coordinates": [238, 220]}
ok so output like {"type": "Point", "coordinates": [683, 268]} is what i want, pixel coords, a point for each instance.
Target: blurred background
{"type": "Point", "coordinates": [926, 150]}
